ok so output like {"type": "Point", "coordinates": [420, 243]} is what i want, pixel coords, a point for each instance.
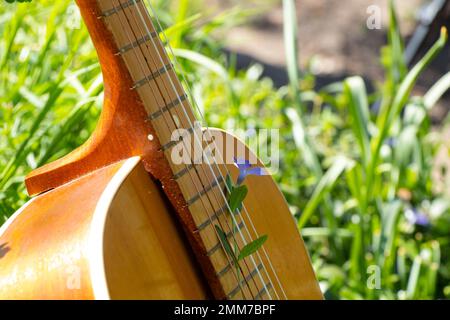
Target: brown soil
{"type": "Point", "coordinates": [334, 40]}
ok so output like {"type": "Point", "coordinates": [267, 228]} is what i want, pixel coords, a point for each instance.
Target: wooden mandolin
{"type": "Point", "coordinates": [119, 218]}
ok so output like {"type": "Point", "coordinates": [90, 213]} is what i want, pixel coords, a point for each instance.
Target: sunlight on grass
{"type": "Point", "coordinates": [358, 180]}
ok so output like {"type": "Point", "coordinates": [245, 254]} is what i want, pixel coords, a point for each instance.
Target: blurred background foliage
{"type": "Point", "coordinates": [357, 167]}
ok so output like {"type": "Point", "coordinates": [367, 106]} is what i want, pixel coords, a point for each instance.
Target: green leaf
{"type": "Point", "coordinates": [226, 244]}
{"type": "Point", "coordinates": [355, 90]}
{"type": "Point", "coordinates": [398, 65]}
{"type": "Point", "coordinates": [437, 91]}
{"type": "Point", "coordinates": [203, 61]}
{"type": "Point", "coordinates": [413, 281]}
{"type": "Point", "coordinates": [407, 140]}
{"type": "Point", "coordinates": [237, 197]}
{"type": "Point", "coordinates": [434, 267]}
{"type": "Point", "coordinates": [303, 144]}
{"type": "Point", "coordinates": [229, 183]}
{"type": "Point", "coordinates": [408, 83]}
{"type": "Point", "coordinates": [410, 80]}
{"type": "Point", "coordinates": [252, 247]}
{"type": "Point", "coordinates": [400, 100]}
{"type": "Point", "coordinates": [390, 215]}
{"type": "Point", "coordinates": [325, 232]}
{"type": "Point", "coordinates": [325, 185]}
{"type": "Point", "coordinates": [291, 42]}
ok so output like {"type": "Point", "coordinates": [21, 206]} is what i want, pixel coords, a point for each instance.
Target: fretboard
{"type": "Point", "coordinates": [169, 109]}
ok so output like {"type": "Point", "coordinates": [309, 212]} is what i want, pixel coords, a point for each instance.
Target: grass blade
{"type": "Point", "coordinates": [355, 90]}
{"type": "Point", "coordinates": [301, 140]}
{"type": "Point", "coordinates": [324, 187]}
{"type": "Point", "coordinates": [437, 91]}
{"type": "Point", "coordinates": [400, 100]}
{"type": "Point", "coordinates": [291, 43]}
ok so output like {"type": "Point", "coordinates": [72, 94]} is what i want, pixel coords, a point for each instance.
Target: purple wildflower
{"type": "Point", "coordinates": [245, 169]}
{"type": "Point", "coordinates": [391, 142]}
{"type": "Point", "coordinates": [417, 217]}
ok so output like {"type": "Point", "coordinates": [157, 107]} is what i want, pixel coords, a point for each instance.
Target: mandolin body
{"type": "Point", "coordinates": [112, 234]}
{"type": "Point", "coordinates": [116, 219]}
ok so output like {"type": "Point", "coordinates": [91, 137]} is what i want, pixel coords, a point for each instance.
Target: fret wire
{"type": "Point", "coordinates": [137, 43]}
{"type": "Point", "coordinates": [232, 215]}
{"type": "Point", "coordinates": [244, 208]}
{"type": "Point", "coordinates": [196, 197]}
{"type": "Point", "coordinates": [267, 287]}
{"type": "Point", "coordinates": [229, 266]}
{"type": "Point", "coordinates": [228, 234]}
{"type": "Point", "coordinates": [217, 214]}
{"type": "Point", "coordinates": [153, 94]}
{"type": "Point", "coordinates": [152, 76]}
{"type": "Point", "coordinates": [181, 173]}
{"type": "Point", "coordinates": [188, 167]}
{"type": "Point", "coordinates": [224, 270]}
{"type": "Point", "coordinates": [197, 172]}
{"type": "Point", "coordinates": [116, 10]}
{"type": "Point", "coordinates": [248, 278]}
{"type": "Point", "coordinates": [171, 144]}
{"type": "Point", "coordinates": [176, 102]}
{"type": "Point", "coordinates": [241, 234]}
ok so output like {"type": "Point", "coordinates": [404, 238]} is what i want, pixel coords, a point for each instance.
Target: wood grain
{"type": "Point", "coordinates": [269, 213]}
{"type": "Point", "coordinates": [47, 250]}
{"type": "Point", "coordinates": [44, 247]}
{"type": "Point", "coordinates": [122, 132]}
{"type": "Point", "coordinates": [146, 254]}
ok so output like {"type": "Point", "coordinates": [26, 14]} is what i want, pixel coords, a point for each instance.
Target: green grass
{"type": "Point", "coordinates": [354, 178]}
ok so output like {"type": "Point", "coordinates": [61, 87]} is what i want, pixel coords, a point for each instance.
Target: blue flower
{"type": "Point", "coordinates": [245, 169]}
{"type": "Point", "coordinates": [417, 217]}
{"type": "Point", "coordinates": [391, 142]}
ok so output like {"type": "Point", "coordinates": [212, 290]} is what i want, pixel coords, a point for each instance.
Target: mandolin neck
{"type": "Point", "coordinates": [144, 104]}
{"type": "Point", "coordinates": [202, 184]}
{"type": "Point", "coordinates": [154, 78]}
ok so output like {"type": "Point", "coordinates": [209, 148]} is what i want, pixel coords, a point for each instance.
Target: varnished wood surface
{"type": "Point", "coordinates": [49, 250]}
{"type": "Point", "coordinates": [44, 247]}
{"type": "Point", "coordinates": [269, 213]}
{"type": "Point", "coordinates": [123, 132]}
{"type": "Point", "coordinates": [144, 253]}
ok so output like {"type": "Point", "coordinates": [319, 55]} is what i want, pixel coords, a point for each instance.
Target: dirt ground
{"type": "Point", "coordinates": [333, 32]}
{"type": "Point", "coordinates": [333, 40]}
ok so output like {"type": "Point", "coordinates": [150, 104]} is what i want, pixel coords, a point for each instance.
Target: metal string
{"type": "Point", "coordinates": [190, 123]}
{"type": "Point", "coordinates": [198, 141]}
{"type": "Point", "coordinates": [179, 67]}
{"type": "Point", "coordinates": [202, 118]}
{"type": "Point", "coordinates": [144, 72]}
{"type": "Point", "coordinates": [232, 214]}
{"type": "Point", "coordinates": [198, 191]}
{"type": "Point", "coordinates": [216, 164]}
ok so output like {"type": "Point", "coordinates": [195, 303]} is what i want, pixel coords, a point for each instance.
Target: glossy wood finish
{"type": "Point", "coordinates": [106, 235]}
{"type": "Point", "coordinates": [44, 246]}
{"type": "Point", "coordinates": [113, 229]}
{"type": "Point", "coordinates": [123, 128]}
{"type": "Point", "coordinates": [146, 255]}
{"type": "Point", "coordinates": [123, 132]}
{"type": "Point", "coordinates": [269, 213]}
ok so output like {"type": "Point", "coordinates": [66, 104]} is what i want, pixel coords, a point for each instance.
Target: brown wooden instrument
{"type": "Point", "coordinates": [119, 219]}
